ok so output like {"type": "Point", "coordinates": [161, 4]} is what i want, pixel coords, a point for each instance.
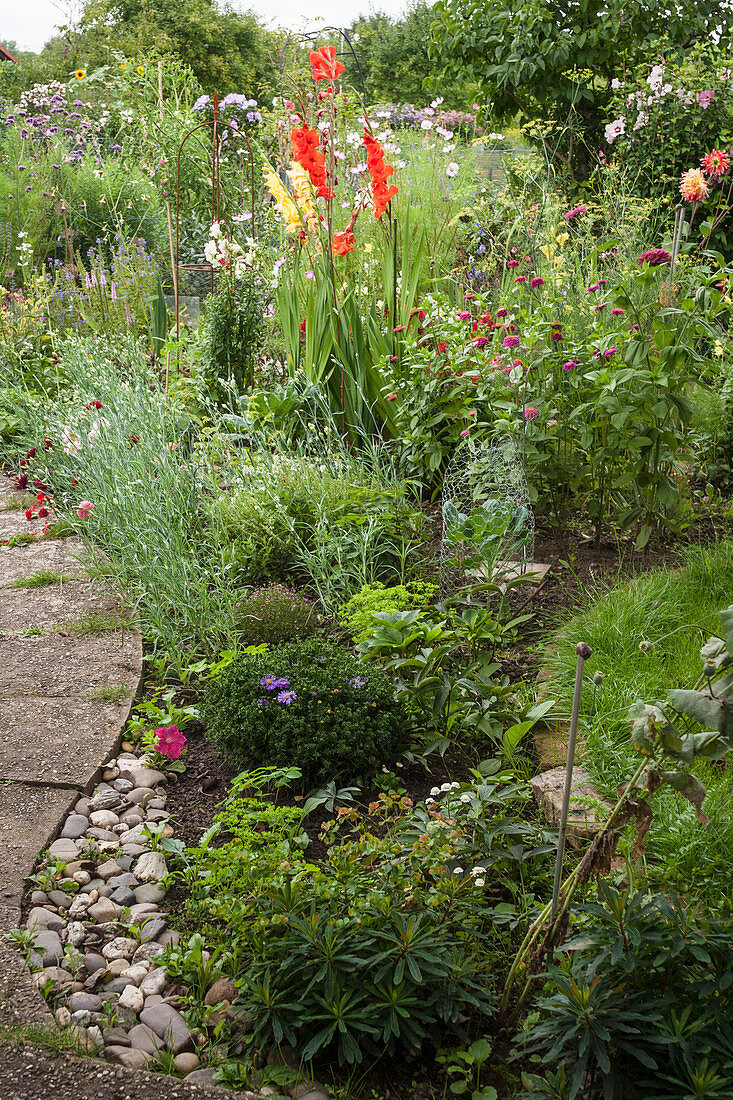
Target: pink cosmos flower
{"type": "Point", "coordinates": [169, 741]}
{"type": "Point", "coordinates": [84, 509]}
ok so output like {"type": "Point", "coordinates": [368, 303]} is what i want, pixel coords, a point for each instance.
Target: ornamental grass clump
{"type": "Point", "coordinates": [309, 705]}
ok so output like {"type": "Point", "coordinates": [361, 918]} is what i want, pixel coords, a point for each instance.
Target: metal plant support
{"type": "Point", "coordinates": [216, 125]}
{"type": "Point", "coordinates": [488, 524]}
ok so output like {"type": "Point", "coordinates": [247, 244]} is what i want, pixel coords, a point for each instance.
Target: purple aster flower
{"type": "Point", "coordinates": [287, 697]}
{"type": "Point", "coordinates": [269, 682]}
{"type": "Point", "coordinates": [357, 682]}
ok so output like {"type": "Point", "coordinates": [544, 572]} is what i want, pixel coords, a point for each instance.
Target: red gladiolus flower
{"type": "Point", "coordinates": [343, 243]}
{"type": "Point", "coordinates": [380, 172]}
{"type": "Point", "coordinates": [307, 153]}
{"type": "Point", "coordinates": [324, 64]}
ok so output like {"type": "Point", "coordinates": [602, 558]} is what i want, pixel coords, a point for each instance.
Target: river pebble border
{"type": "Point", "coordinates": [98, 926]}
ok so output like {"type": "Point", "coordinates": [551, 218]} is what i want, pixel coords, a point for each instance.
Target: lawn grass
{"type": "Point", "coordinates": [646, 635]}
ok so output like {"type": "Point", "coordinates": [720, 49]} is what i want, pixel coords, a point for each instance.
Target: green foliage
{"type": "Point", "coordinates": [275, 613]}
{"type": "Point", "coordinates": [384, 943]}
{"type": "Point", "coordinates": [443, 662]}
{"type": "Point", "coordinates": [322, 517]}
{"type": "Point", "coordinates": [554, 61]}
{"type": "Point", "coordinates": [646, 636]}
{"type": "Point", "coordinates": [357, 614]}
{"type": "Point", "coordinates": [232, 333]}
{"type": "Point", "coordinates": [640, 1006]}
{"type": "Point", "coordinates": [318, 710]}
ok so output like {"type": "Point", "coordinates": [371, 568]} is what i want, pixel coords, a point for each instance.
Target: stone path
{"type": "Point", "coordinates": [65, 695]}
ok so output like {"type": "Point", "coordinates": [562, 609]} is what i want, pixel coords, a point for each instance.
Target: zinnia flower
{"type": "Point", "coordinates": [693, 185]}
{"type": "Point", "coordinates": [531, 413]}
{"type": "Point", "coordinates": [536, 282]}
{"type": "Point", "coordinates": [654, 257]}
{"type": "Point", "coordinates": [510, 341]}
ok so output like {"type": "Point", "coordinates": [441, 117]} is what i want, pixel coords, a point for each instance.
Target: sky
{"type": "Point", "coordinates": [30, 23]}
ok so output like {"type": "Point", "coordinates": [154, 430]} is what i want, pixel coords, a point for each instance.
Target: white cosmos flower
{"type": "Point", "coordinates": [426, 124]}
{"type": "Point", "coordinates": [452, 169]}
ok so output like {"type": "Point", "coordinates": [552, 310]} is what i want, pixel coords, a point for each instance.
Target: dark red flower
{"type": "Point", "coordinates": [21, 482]}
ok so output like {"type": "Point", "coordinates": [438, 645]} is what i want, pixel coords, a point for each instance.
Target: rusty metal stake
{"type": "Point", "coordinates": [584, 651]}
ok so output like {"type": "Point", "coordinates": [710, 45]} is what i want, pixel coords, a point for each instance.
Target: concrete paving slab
{"type": "Point", "coordinates": [588, 809]}
{"type": "Point", "coordinates": [54, 740]}
{"type": "Point", "coordinates": [60, 555]}
{"type": "Point", "coordinates": [29, 818]}
{"type": "Point", "coordinates": [53, 664]}
{"type": "Point", "coordinates": [53, 605]}
{"type": "Point", "coordinates": [15, 523]}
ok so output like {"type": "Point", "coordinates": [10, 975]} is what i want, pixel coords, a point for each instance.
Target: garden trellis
{"type": "Point", "coordinates": [488, 525]}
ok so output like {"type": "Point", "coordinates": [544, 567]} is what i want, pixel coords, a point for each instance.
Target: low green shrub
{"type": "Point", "coordinates": [275, 613]}
{"type": "Point", "coordinates": [391, 940]}
{"type": "Point", "coordinates": [357, 614]}
{"type": "Point", "coordinates": [640, 1007]}
{"type": "Point", "coordinates": [310, 705]}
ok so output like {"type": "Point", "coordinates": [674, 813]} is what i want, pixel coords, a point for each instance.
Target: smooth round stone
{"type": "Point", "coordinates": [203, 1076]}
{"type": "Point", "coordinates": [43, 918]}
{"type": "Point", "coordinates": [102, 834]}
{"type": "Point", "coordinates": [122, 895]}
{"type": "Point", "coordinates": [125, 879]}
{"type": "Point", "coordinates": [104, 911]}
{"type": "Point", "coordinates": [131, 818]}
{"type": "Point", "coordinates": [149, 892]}
{"type": "Point", "coordinates": [131, 997]}
{"type": "Point", "coordinates": [155, 982]}
{"type": "Point", "coordinates": [47, 945]}
{"type": "Point", "coordinates": [63, 849]}
{"type": "Point", "coordinates": [146, 777]}
{"type": "Point", "coordinates": [169, 936]}
{"type": "Point", "coordinates": [105, 819]}
{"type": "Point", "coordinates": [94, 962]}
{"type": "Point", "coordinates": [153, 929]}
{"type": "Point", "coordinates": [109, 869]}
{"type": "Point", "coordinates": [127, 1056]}
{"type": "Point", "coordinates": [39, 898]}
{"type": "Point", "coordinates": [63, 1016]}
{"type": "Point", "coordinates": [115, 1036]}
{"type": "Point", "coordinates": [84, 1002]}
{"type": "Point", "coordinates": [154, 999]}
{"type": "Point", "coordinates": [75, 827]}
{"type": "Point", "coordinates": [110, 773]}
{"type": "Point", "coordinates": [125, 862]}
{"type": "Point", "coordinates": [81, 878]}
{"type": "Point", "coordinates": [157, 803]}
{"type": "Point", "coordinates": [60, 899]}
{"type": "Point", "coordinates": [81, 1018]}
{"type": "Point", "coordinates": [157, 815]}
{"type": "Point", "coordinates": [136, 972]}
{"type": "Point", "coordinates": [141, 796]}
{"type": "Point", "coordinates": [186, 1062]}
{"type": "Point", "coordinates": [118, 966]}
{"type": "Point", "coordinates": [82, 807]}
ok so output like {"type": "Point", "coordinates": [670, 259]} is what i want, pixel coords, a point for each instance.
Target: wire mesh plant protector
{"type": "Point", "coordinates": [488, 524]}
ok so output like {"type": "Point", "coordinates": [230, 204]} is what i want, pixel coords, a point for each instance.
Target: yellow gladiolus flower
{"type": "Point", "coordinates": [284, 202]}
{"type": "Point", "coordinates": [301, 182]}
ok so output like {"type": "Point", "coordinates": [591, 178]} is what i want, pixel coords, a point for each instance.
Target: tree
{"type": "Point", "coordinates": [226, 49]}
{"type": "Point", "coordinates": [394, 58]}
{"type": "Point", "coordinates": [553, 61]}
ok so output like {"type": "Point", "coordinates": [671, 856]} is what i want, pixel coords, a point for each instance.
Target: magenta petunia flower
{"type": "Point", "coordinates": [169, 741]}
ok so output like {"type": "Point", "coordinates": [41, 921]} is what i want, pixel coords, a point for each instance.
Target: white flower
{"type": "Point", "coordinates": [210, 252]}
{"type": "Point", "coordinates": [654, 80]}
{"type": "Point", "coordinates": [479, 882]}
{"type": "Point", "coordinates": [615, 83]}
{"type": "Point", "coordinates": [445, 786]}
{"type": "Point", "coordinates": [453, 786]}
{"type": "Point", "coordinates": [70, 441]}
{"type": "Point", "coordinates": [615, 129]}
{"type": "Point", "coordinates": [435, 790]}
{"type": "Point", "coordinates": [452, 169]}
{"type": "Point", "coordinates": [496, 137]}
{"type": "Point", "coordinates": [457, 870]}
{"type": "Point", "coordinates": [449, 147]}
{"type": "Point", "coordinates": [215, 230]}
{"type": "Point", "coordinates": [641, 120]}
{"type": "Point", "coordinates": [426, 124]}
{"type": "Point", "coordinates": [465, 798]}
{"type": "Point", "coordinates": [437, 102]}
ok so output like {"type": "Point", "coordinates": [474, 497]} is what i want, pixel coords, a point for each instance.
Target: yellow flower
{"type": "Point", "coordinates": [301, 182]}
{"type": "Point", "coordinates": [80, 74]}
{"type": "Point", "coordinates": [140, 70]}
{"type": "Point", "coordinates": [284, 203]}
{"type": "Point", "coordinates": [561, 238]}
{"type": "Point", "coordinates": [123, 64]}
{"type": "Point", "coordinates": [367, 247]}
